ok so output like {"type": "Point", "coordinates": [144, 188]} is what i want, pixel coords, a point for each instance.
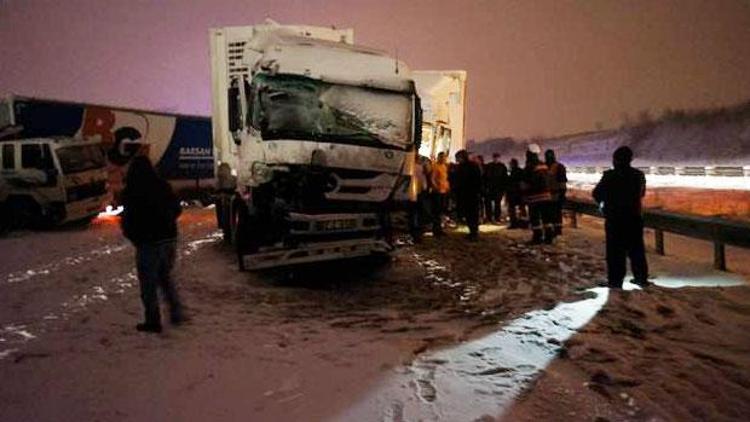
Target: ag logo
{"type": "Point", "coordinates": [122, 139]}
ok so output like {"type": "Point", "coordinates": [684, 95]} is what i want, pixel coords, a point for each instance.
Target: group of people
{"type": "Point", "coordinates": [472, 191]}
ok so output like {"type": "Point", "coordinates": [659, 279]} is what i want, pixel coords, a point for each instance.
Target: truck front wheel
{"type": "Point", "coordinates": [4, 218]}
{"type": "Point", "coordinates": [23, 213]}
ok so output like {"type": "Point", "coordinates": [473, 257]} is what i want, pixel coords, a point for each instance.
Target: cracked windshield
{"type": "Point", "coordinates": [294, 107]}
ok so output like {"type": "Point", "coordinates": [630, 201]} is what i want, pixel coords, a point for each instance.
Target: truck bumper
{"type": "Point", "coordinates": [89, 207]}
{"type": "Point", "coordinates": [315, 252]}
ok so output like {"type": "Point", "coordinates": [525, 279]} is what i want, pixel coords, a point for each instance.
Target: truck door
{"type": "Point", "coordinates": [38, 166]}
{"type": "Point", "coordinates": [9, 160]}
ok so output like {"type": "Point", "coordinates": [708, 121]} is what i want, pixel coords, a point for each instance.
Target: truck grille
{"type": "Point", "coordinates": [90, 190]}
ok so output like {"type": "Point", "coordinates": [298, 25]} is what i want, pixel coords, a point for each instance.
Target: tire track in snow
{"type": "Point", "coordinates": [69, 261]}
{"type": "Point", "coordinates": [16, 335]}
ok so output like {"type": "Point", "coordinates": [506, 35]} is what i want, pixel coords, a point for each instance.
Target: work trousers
{"type": "Point", "coordinates": [541, 220]}
{"type": "Point", "coordinates": [154, 262]}
{"type": "Point", "coordinates": [625, 239]}
{"type": "Point", "coordinates": [439, 203]}
{"type": "Point", "coordinates": [223, 205]}
{"type": "Point", "coordinates": [469, 208]}
{"type": "Point", "coordinates": [492, 204]}
{"type": "Point", "coordinates": [419, 213]}
{"type": "Point", "coordinates": [515, 208]}
{"type": "Point", "coordinates": [557, 213]}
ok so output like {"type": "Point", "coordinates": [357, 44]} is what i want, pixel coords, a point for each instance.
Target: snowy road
{"type": "Point", "coordinates": [49, 277]}
{"type": "Point", "coordinates": [447, 331]}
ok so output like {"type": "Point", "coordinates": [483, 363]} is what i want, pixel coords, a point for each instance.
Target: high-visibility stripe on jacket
{"type": "Point", "coordinates": [537, 185]}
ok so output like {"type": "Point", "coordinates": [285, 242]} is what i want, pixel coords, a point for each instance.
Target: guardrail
{"type": "Point", "coordinates": [719, 231]}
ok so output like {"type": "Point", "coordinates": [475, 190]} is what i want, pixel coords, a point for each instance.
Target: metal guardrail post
{"type": "Point", "coordinates": [720, 262]}
{"type": "Point", "coordinates": [659, 241]}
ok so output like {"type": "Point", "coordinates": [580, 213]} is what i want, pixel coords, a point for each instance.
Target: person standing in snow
{"type": "Point", "coordinates": [440, 189]}
{"type": "Point", "coordinates": [417, 209]}
{"type": "Point", "coordinates": [468, 191]}
{"type": "Point", "coordinates": [558, 181]}
{"type": "Point", "coordinates": [513, 198]}
{"type": "Point", "coordinates": [479, 160]}
{"type": "Point", "coordinates": [226, 183]}
{"type": "Point", "coordinates": [149, 221]}
{"type": "Point", "coordinates": [537, 194]}
{"type": "Point", "coordinates": [496, 181]}
{"type": "Point", "coordinates": [620, 192]}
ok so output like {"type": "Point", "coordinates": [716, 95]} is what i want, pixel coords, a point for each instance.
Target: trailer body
{"type": "Point", "coordinates": [180, 146]}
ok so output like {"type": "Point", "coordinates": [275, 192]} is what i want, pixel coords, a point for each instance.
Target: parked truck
{"type": "Point", "coordinates": [179, 145]}
{"type": "Point", "coordinates": [321, 135]}
{"type": "Point", "coordinates": [50, 181]}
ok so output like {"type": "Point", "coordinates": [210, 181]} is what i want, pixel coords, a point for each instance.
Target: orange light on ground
{"type": "Point", "coordinates": [110, 215]}
{"type": "Point", "coordinates": [202, 216]}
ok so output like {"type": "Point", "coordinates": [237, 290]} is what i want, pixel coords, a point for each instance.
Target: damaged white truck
{"type": "Point", "coordinates": [321, 136]}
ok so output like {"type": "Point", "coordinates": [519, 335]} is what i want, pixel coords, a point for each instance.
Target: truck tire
{"type": "Point", "coordinates": [4, 218]}
{"type": "Point", "coordinates": [24, 213]}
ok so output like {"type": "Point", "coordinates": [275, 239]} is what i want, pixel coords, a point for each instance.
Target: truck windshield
{"type": "Point", "coordinates": [79, 158]}
{"type": "Point", "coordinates": [296, 107]}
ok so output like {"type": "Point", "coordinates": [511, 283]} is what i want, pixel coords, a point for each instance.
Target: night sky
{"type": "Point", "coordinates": [542, 67]}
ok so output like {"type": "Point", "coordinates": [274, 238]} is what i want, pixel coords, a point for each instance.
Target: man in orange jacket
{"type": "Point", "coordinates": [440, 189]}
{"type": "Point", "coordinates": [537, 194]}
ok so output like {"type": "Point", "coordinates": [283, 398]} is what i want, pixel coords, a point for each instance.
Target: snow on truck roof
{"type": "Point", "coordinates": [330, 61]}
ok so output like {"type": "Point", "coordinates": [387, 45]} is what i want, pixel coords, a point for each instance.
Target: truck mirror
{"type": "Point", "coordinates": [233, 107]}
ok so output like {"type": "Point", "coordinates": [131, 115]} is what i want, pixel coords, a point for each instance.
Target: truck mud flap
{"type": "Point", "coordinates": [317, 252]}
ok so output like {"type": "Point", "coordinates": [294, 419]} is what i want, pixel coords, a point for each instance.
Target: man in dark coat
{"type": "Point", "coordinates": [513, 198]}
{"type": "Point", "coordinates": [149, 221]}
{"type": "Point", "coordinates": [468, 188]}
{"type": "Point", "coordinates": [495, 182]}
{"type": "Point", "coordinates": [620, 192]}
{"type": "Point", "coordinates": [558, 183]}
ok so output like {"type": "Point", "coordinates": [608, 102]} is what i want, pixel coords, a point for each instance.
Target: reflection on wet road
{"type": "Point", "coordinates": [482, 376]}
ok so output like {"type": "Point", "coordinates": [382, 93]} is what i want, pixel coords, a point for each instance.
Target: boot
{"type": "Point", "coordinates": [549, 235]}
{"type": "Point", "coordinates": [148, 328]}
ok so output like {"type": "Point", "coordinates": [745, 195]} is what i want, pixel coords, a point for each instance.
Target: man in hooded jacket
{"type": "Point", "coordinates": [149, 221]}
{"type": "Point", "coordinates": [619, 193]}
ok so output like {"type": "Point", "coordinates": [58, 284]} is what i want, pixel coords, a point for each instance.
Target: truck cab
{"type": "Point", "coordinates": [322, 137]}
{"type": "Point", "coordinates": [51, 181]}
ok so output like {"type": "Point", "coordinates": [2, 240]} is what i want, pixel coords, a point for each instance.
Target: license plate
{"type": "Point", "coordinates": [336, 225]}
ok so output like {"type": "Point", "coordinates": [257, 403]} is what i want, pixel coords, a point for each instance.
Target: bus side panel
{"type": "Point", "coordinates": [190, 151]}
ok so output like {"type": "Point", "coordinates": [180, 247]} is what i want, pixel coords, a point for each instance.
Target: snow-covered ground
{"type": "Point", "coordinates": [586, 181]}
{"type": "Point", "coordinates": [448, 330]}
